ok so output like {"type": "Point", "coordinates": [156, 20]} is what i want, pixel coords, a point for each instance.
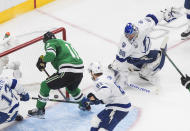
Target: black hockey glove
{"type": "Point", "coordinates": [96, 101]}
{"type": "Point", "coordinates": [40, 64]}
{"type": "Point", "coordinates": [84, 104]}
{"type": "Point", "coordinates": [184, 80]}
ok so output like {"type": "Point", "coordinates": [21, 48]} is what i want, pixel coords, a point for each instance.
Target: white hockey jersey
{"type": "Point", "coordinates": [142, 44]}
{"type": "Point", "coordinates": [111, 94]}
{"type": "Point", "coordinates": [9, 102]}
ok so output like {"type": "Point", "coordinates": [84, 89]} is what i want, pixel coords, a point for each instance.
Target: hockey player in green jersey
{"type": "Point", "coordinates": [69, 66]}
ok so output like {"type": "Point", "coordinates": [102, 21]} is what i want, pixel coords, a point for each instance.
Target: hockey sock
{"type": "Point", "coordinates": [44, 94]}
{"type": "Point", "coordinates": [76, 94]}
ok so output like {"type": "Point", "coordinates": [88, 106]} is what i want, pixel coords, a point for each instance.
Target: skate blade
{"type": "Point", "coordinates": [185, 38]}
{"type": "Point", "coordinates": [37, 116]}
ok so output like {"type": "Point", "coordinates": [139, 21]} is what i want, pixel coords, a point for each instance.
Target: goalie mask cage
{"type": "Point", "coordinates": [27, 49]}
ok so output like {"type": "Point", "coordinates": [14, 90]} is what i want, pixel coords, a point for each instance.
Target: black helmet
{"type": "Point", "coordinates": [47, 36]}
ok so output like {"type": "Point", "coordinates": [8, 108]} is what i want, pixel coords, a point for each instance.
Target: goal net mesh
{"type": "Point", "coordinates": [26, 49]}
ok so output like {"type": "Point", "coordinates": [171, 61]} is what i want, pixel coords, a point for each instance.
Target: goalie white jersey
{"type": "Point", "coordinates": [141, 45]}
{"type": "Point", "coordinates": [111, 94]}
{"type": "Point", "coordinates": [134, 52]}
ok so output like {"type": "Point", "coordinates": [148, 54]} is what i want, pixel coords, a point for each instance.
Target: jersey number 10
{"type": "Point", "coordinates": [72, 51]}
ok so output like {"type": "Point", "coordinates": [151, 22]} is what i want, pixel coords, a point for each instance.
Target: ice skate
{"type": "Point", "coordinates": [19, 117]}
{"type": "Point", "coordinates": [38, 113]}
{"type": "Point", "coordinates": [185, 34]}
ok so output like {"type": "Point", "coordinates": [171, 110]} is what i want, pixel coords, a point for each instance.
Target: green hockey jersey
{"type": "Point", "coordinates": [63, 57]}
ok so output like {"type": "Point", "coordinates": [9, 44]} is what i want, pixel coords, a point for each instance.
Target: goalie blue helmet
{"type": "Point", "coordinates": [131, 31]}
{"type": "Point", "coordinates": [129, 28]}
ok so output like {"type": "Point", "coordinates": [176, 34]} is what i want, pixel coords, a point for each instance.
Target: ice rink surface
{"type": "Point", "coordinates": [94, 28]}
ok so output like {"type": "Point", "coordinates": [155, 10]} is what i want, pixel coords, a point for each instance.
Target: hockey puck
{"type": "Point", "coordinates": [56, 96]}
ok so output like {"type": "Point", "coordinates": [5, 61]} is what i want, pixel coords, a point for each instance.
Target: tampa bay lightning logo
{"type": "Point", "coordinates": [123, 44]}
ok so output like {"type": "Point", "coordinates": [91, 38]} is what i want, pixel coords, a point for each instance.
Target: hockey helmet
{"type": "Point", "coordinates": [95, 68]}
{"type": "Point", "coordinates": [131, 31]}
{"type": "Point", "coordinates": [47, 36]}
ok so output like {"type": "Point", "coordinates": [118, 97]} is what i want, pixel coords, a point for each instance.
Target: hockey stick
{"type": "Point", "coordinates": [54, 100]}
{"type": "Point", "coordinates": [58, 89]}
{"type": "Point", "coordinates": [163, 46]}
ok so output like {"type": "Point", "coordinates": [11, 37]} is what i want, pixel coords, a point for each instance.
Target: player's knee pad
{"type": "Point", "coordinates": [155, 66]}
{"type": "Point", "coordinates": [95, 122]}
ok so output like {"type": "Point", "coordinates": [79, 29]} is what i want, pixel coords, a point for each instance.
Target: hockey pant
{"type": "Point", "coordinates": [107, 120]}
{"type": "Point", "coordinates": [11, 115]}
{"type": "Point", "coordinates": [149, 64]}
{"type": "Point", "coordinates": [187, 4]}
{"type": "Point", "coordinates": [60, 80]}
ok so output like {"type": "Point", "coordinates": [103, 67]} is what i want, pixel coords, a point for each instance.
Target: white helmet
{"type": "Point", "coordinates": [95, 68]}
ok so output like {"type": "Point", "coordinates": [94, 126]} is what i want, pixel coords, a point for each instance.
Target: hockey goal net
{"type": "Point", "coordinates": [27, 49]}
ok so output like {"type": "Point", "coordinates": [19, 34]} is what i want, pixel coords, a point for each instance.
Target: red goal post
{"type": "Point", "coordinates": [33, 41]}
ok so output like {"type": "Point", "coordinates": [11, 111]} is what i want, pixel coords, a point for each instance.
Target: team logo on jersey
{"type": "Point", "coordinates": [123, 44]}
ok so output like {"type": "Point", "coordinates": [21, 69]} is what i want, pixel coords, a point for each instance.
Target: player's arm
{"type": "Point", "coordinates": [14, 85]}
{"type": "Point", "coordinates": [151, 20]}
{"type": "Point", "coordinates": [101, 95]}
{"type": "Point", "coordinates": [50, 55]}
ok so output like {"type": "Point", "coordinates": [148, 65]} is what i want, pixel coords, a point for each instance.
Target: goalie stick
{"type": "Point", "coordinates": [58, 89]}
{"type": "Point", "coordinates": [163, 46]}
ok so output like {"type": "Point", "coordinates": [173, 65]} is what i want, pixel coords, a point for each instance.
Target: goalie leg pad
{"type": "Point", "coordinates": [122, 79]}
{"type": "Point", "coordinates": [150, 69]}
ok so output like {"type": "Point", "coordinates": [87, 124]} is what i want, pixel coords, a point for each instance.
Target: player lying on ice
{"type": "Point", "coordinates": [135, 53]}
{"type": "Point", "coordinates": [9, 102]}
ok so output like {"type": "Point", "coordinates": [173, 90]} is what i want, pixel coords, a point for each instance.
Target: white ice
{"type": "Point", "coordinates": [94, 28]}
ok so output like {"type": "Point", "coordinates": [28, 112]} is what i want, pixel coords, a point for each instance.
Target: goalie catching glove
{"type": "Point", "coordinates": [171, 14]}
{"type": "Point", "coordinates": [41, 65]}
